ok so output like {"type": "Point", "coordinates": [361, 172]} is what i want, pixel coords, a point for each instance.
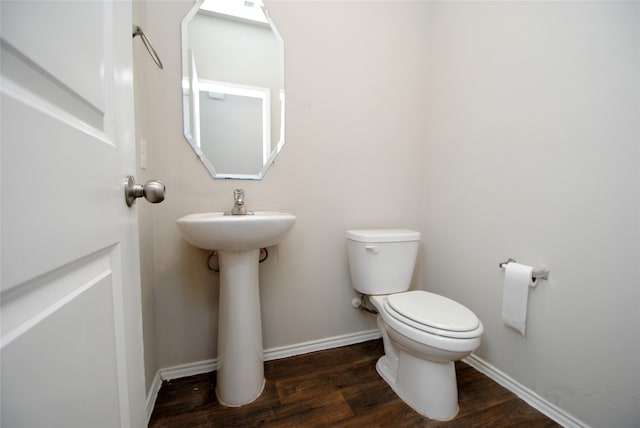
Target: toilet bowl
{"type": "Point", "coordinates": [423, 333]}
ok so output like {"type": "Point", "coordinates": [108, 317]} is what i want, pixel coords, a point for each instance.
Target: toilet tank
{"type": "Point", "coordinates": [381, 261]}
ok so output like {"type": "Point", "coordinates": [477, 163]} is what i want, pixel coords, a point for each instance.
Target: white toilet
{"type": "Point", "coordinates": [423, 333]}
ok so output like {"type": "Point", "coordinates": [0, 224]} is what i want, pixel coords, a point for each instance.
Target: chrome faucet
{"type": "Point", "coordinates": [238, 204]}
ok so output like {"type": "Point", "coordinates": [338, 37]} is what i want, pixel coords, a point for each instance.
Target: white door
{"type": "Point", "coordinates": [71, 339]}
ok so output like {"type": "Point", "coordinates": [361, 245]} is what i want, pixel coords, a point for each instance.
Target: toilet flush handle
{"type": "Point", "coordinates": [372, 248]}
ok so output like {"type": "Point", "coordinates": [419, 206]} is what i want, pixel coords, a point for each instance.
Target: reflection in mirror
{"type": "Point", "coordinates": [233, 87]}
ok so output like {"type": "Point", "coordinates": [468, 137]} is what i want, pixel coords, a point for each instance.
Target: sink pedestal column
{"type": "Point", "coordinates": [240, 373]}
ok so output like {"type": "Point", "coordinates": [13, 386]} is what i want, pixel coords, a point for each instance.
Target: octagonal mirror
{"type": "Point", "coordinates": [233, 87]}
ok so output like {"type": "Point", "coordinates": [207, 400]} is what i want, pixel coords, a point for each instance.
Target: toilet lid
{"type": "Point", "coordinates": [433, 310]}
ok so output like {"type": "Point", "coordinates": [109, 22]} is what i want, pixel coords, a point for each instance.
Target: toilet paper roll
{"type": "Point", "coordinates": [517, 279]}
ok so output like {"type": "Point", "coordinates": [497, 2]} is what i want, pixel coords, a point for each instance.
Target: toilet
{"type": "Point", "coordinates": [423, 333]}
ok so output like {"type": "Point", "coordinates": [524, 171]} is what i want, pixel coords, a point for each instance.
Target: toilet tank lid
{"type": "Point", "coordinates": [383, 235]}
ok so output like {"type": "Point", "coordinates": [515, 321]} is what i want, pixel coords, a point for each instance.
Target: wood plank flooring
{"type": "Point", "coordinates": [336, 388]}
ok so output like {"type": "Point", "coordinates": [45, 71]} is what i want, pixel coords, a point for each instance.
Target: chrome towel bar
{"type": "Point", "coordinates": [137, 31]}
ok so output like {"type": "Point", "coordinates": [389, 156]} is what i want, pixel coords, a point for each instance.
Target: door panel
{"type": "Point", "coordinates": [77, 393]}
{"type": "Point", "coordinates": [71, 344]}
{"type": "Point", "coordinates": [57, 209]}
{"type": "Point", "coordinates": [60, 34]}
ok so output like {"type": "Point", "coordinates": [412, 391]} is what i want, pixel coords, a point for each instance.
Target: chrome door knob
{"type": "Point", "coordinates": [153, 191]}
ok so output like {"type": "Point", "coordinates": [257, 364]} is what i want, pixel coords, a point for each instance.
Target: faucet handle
{"type": "Point", "coordinates": [238, 203]}
{"type": "Point", "coordinates": [238, 195]}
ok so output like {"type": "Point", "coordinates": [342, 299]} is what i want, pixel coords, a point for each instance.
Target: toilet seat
{"type": "Point", "coordinates": [432, 313]}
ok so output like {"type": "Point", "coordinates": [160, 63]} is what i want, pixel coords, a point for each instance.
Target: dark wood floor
{"type": "Point", "coordinates": [337, 387]}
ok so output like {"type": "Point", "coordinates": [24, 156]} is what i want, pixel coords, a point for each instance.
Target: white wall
{"type": "Point", "coordinates": [532, 152]}
{"type": "Point", "coordinates": [497, 129]}
{"type": "Point", "coordinates": [352, 159]}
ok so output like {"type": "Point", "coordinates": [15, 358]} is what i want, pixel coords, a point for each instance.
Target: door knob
{"type": "Point", "coordinates": [153, 191]}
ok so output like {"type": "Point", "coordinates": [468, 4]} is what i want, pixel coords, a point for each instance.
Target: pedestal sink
{"type": "Point", "coordinates": [238, 239]}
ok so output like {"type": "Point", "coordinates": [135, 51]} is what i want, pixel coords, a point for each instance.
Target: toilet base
{"type": "Point", "coordinates": [430, 388]}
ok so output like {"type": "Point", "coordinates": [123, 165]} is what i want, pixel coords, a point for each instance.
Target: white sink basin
{"type": "Point", "coordinates": [238, 239]}
{"type": "Point", "coordinates": [216, 231]}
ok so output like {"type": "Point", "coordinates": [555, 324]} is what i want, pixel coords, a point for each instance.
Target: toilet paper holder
{"type": "Point", "coordinates": [537, 273]}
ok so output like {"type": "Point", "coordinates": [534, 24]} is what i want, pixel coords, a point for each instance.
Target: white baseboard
{"type": "Point", "coordinates": [152, 394]}
{"type": "Point", "coordinates": [529, 396]}
{"type": "Point", "coordinates": [189, 369]}
{"type": "Point", "coordinates": [320, 345]}
{"type": "Point", "coordinates": [205, 366]}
